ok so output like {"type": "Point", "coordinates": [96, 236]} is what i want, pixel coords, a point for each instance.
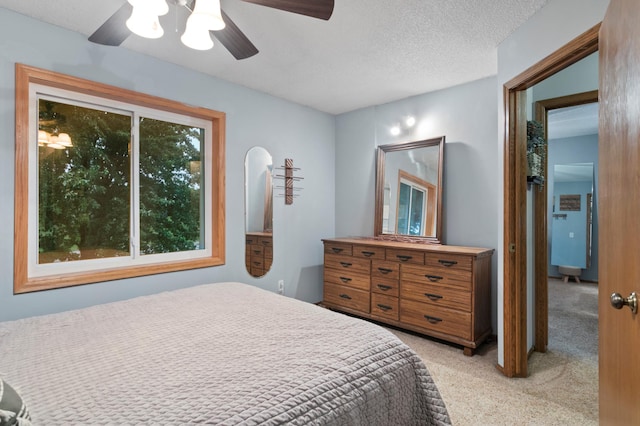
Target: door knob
{"type": "Point", "coordinates": [617, 301]}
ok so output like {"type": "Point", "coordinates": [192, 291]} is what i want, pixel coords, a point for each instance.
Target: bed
{"type": "Point", "coordinates": [223, 354]}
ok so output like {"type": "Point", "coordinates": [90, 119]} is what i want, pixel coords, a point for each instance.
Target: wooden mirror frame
{"type": "Point", "coordinates": [381, 152]}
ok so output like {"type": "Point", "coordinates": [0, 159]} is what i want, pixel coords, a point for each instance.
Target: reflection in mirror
{"type": "Point", "coordinates": [409, 191]}
{"type": "Point", "coordinates": [258, 168]}
{"type": "Point", "coordinates": [572, 214]}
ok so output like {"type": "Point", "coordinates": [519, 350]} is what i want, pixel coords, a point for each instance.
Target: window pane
{"type": "Point", "coordinates": [171, 187]}
{"type": "Point", "coordinates": [83, 183]}
{"type": "Point", "coordinates": [417, 204]}
{"type": "Point", "coordinates": [404, 200]}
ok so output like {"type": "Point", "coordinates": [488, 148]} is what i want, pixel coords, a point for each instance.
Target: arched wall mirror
{"type": "Point", "coordinates": [258, 168]}
{"type": "Point", "coordinates": [408, 201]}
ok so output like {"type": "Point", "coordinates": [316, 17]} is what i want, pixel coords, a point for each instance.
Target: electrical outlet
{"type": "Point", "coordinates": [281, 287]}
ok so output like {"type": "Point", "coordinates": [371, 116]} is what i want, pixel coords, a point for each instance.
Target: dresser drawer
{"type": "Point", "coordinates": [436, 275]}
{"type": "Point", "coordinates": [338, 248]}
{"type": "Point", "coordinates": [368, 252]}
{"type": "Point", "coordinates": [347, 278]}
{"type": "Point", "coordinates": [257, 262]}
{"type": "Point", "coordinates": [268, 252]}
{"type": "Point", "coordinates": [265, 241]}
{"type": "Point", "coordinates": [257, 271]}
{"type": "Point", "coordinates": [256, 250]}
{"type": "Point", "coordinates": [448, 261]}
{"type": "Point", "coordinates": [386, 286]}
{"type": "Point", "coordinates": [251, 239]}
{"type": "Point", "coordinates": [387, 270]}
{"type": "Point", "coordinates": [443, 320]}
{"type": "Point", "coordinates": [437, 295]}
{"type": "Point", "coordinates": [347, 297]}
{"type": "Point", "coordinates": [413, 257]}
{"type": "Point", "coordinates": [347, 263]}
{"type": "Point", "coordinates": [384, 306]}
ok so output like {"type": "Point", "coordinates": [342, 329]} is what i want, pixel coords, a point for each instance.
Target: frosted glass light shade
{"type": "Point", "coordinates": [43, 138]}
{"type": "Point", "coordinates": [197, 36]}
{"type": "Point", "coordinates": [151, 7]}
{"type": "Point", "coordinates": [207, 13]}
{"type": "Point", "coordinates": [144, 24]}
{"type": "Point", "coordinates": [64, 139]}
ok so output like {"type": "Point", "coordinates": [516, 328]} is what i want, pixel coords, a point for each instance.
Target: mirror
{"type": "Point", "coordinates": [572, 215]}
{"type": "Point", "coordinates": [409, 191]}
{"type": "Point", "coordinates": [258, 168]}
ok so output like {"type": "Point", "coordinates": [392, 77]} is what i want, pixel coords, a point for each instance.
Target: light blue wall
{"type": "Point", "coordinates": [580, 149]}
{"type": "Point", "coordinates": [577, 78]}
{"type": "Point", "coordinates": [466, 116]}
{"type": "Point", "coordinates": [285, 129]}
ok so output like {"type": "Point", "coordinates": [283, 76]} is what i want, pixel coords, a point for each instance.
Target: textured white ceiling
{"type": "Point", "coordinates": [572, 121]}
{"type": "Point", "coordinates": [370, 52]}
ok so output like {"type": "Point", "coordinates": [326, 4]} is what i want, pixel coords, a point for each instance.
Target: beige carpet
{"type": "Point", "coordinates": [562, 388]}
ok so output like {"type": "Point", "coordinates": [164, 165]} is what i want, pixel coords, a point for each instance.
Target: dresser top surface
{"type": "Point", "coordinates": [259, 234]}
{"type": "Point", "coordinates": [435, 248]}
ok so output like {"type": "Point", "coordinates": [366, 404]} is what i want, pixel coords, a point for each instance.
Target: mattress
{"type": "Point", "coordinates": [223, 354]}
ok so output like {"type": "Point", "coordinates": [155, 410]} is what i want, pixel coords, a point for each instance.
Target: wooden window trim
{"type": "Point", "coordinates": [22, 283]}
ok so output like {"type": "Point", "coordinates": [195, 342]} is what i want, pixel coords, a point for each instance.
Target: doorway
{"type": "Point", "coordinates": [542, 110]}
{"type": "Point", "coordinates": [515, 193]}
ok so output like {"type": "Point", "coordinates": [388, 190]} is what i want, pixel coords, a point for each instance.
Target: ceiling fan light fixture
{"type": "Point", "coordinates": [44, 138]}
{"type": "Point", "coordinates": [144, 18]}
{"type": "Point", "coordinates": [147, 26]}
{"type": "Point", "coordinates": [207, 12]}
{"type": "Point", "coordinates": [151, 7]}
{"type": "Point", "coordinates": [196, 35]}
{"type": "Point", "coordinates": [64, 139]}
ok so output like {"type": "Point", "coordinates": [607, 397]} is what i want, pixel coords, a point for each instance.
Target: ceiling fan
{"type": "Point", "coordinates": [116, 29]}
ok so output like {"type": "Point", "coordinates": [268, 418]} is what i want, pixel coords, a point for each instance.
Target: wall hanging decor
{"type": "Point", "coordinates": [289, 190]}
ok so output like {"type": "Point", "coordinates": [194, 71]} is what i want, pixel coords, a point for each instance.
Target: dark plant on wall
{"type": "Point", "coordinates": [536, 151]}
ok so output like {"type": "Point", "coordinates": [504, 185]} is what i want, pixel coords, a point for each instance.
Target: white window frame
{"type": "Point", "coordinates": [414, 185]}
{"type": "Point", "coordinates": [32, 83]}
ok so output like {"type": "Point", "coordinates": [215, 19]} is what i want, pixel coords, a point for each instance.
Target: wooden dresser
{"type": "Point", "coordinates": [258, 252]}
{"type": "Point", "coordinates": [437, 290]}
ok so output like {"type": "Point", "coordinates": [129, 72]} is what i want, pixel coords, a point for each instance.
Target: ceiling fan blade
{"type": "Point", "coordinates": [234, 40]}
{"type": "Point", "coordinates": [321, 9]}
{"type": "Point", "coordinates": [114, 31]}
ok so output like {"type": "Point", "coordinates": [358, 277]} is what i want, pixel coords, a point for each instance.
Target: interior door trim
{"type": "Point", "coordinates": [515, 187]}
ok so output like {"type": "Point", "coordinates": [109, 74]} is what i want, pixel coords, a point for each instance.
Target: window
{"type": "Point", "coordinates": [411, 203]}
{"type": "Point", "coordinates": [112, 184]}
{"type": "Point", "coordinates": [416, 205]}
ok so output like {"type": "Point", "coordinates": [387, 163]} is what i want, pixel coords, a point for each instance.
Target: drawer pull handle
{"type": "Point", "coordinates": [346, 264]}
{"type": "Point", "coordinates": [368, 253]}
{"type": "Point", "coordinates": [404, 258]}
{"type": "Point", "coordinates": [345, 296]}
{"type": "Point", "coordinates": [385, 270]}
{"type": "Point", "coordinates": [336, 250]}
{"type": "Point", "coordinates": [433, 278]}
{"type": "Point", "coordinates": [345, 279]}
{"type": "Point", "coordinates": [433, 296]}
{"type": "Point", "coordinates": [257, 251]}
{"type": "Point", "coordinates": [266, 243]}
{"type": "Point", "coordinates": [448, 262]}
{"type": "Point", "coordinates": [384, 307]}
{"type": "Point", "coordinates": [384, 287]}
{"type": "Point", "coordinates": [433, 320]}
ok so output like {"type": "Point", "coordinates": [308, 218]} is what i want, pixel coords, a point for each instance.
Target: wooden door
{"type": "Point", "coordinates": [619, 212]}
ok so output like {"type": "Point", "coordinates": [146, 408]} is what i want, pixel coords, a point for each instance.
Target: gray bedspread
{"type": "Point", "coordinates": [223, 354]}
